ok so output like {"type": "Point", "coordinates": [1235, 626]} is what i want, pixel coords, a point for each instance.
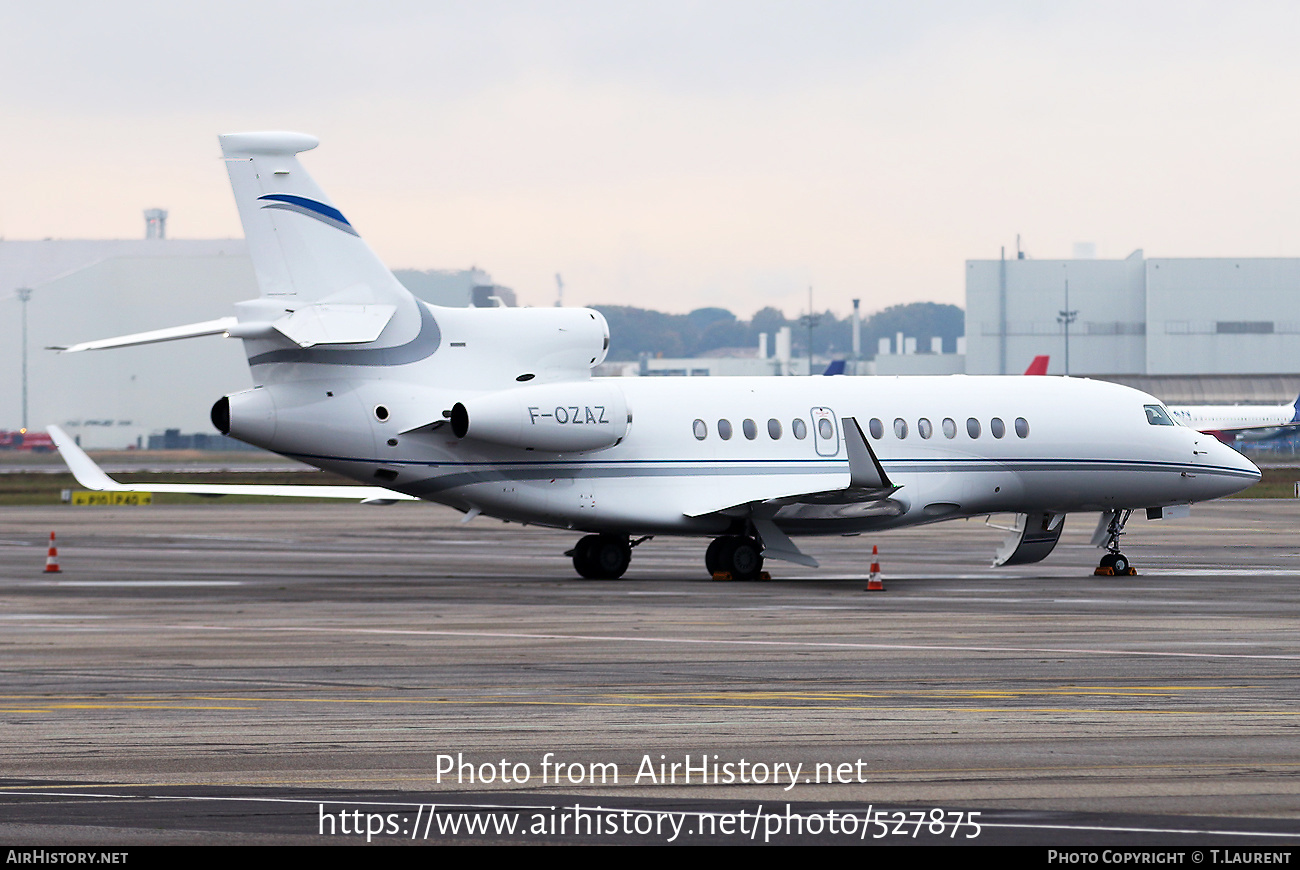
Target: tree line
{"type": "Point", "coordinates": [639, 331]}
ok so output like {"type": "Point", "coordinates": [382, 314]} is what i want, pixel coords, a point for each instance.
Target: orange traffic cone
{"type": "Point", "coordinates": [874, 583]}
{"type": "Point", "coordinates": [52, 558]}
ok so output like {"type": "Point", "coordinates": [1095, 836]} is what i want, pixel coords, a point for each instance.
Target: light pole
{"type": "Point", "coordinates": [24, 294]}
{"type": "Point", "coordinates": [810, 320]}
{"type": "Point", "coordinates": [1065, 318]}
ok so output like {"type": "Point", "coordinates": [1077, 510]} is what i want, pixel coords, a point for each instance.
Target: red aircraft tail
{"type": "Point", "coordinates": [1038, 366]}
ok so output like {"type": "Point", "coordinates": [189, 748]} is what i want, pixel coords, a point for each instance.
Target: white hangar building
{"type": "Point", "coordinates": [1234, 322]}
{"type": "Point", "coordinates": [87, 289]}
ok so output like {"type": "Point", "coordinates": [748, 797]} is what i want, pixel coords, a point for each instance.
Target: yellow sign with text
{"type": "Point", "coordinates": [82, 498]}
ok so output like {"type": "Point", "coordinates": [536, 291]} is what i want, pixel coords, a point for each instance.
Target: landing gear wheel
{"type": "Point", "coordinates": [712, 556]}
{"type": "Point", "coordinates": [602, 557]}
{"type": "Point", "coordinates": [739, 556]}
{"type": "Point", "coordinates": [1114, 563]}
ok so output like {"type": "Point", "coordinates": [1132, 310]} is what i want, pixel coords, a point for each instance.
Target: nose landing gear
{"type": "Point", "coordinates": [1114, 563]}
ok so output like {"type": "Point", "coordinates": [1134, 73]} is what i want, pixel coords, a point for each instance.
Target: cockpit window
{"type": "Point", "coordinates": [1158, 416]}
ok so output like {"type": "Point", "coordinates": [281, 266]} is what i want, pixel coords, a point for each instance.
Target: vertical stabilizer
{"type": "Point", "coordinates": [303, 249]}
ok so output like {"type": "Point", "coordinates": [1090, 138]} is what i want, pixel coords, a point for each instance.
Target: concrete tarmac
{"type": "Point", "coordinates": [246, 673]}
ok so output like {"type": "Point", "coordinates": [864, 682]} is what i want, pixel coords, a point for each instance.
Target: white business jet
{"type": "Point", "coordinates": [495, 411]}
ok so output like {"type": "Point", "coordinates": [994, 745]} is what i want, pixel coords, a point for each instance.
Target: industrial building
{"type": "Point", "coordinates": [58, 292]}
{"type": "Point", "coordinates": [1188, 330]}
{"type": "Point", "coordinates": [1184, 329]}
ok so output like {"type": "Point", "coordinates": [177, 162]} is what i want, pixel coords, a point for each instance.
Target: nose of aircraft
{"type": "Point", "coordinates": [1227, 471]}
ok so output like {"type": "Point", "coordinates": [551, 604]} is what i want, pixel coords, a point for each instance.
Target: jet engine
{"type": "Point", "coordinates": [558, 418]}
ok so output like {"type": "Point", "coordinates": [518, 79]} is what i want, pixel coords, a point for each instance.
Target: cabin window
{"type": "Point", "coordinates": [1158, 416]}
{"type": "Point", "coordinates": [997, 427]}
{"type": "Point", "coordinates": [923, 428]}
{"type": "Point", "coordinates": [900, 427]}
{"type": "Point", "coordinates": [750, 428]}
{"type": "Point", "coordinates": [1022, 427]}
{"type": "Point", "coordinates": [724, 430]}
{"type": "Point", "coordinates": [825, 429]}
{"type": "Point", "coordinates": [876, 428]}
{"type": "Point", "coordinates": [799, 428]}
{"type": "Point", "coordinates": [701, 430]}
{"type": "Point", "coordinates": [973, 427]}
{"type": "Point", "coordinates": [949, 427]}
{"type": "Point", "coordinates": [774, 429]}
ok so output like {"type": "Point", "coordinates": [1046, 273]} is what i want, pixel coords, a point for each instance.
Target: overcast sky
{"type": "Point", "coordinates": [675, 154]}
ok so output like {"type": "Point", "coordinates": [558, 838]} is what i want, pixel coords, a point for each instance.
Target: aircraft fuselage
{"type": "Point", "coordinates": [953, 446]}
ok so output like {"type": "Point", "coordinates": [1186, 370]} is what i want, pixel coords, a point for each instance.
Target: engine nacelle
{"type": "Point", "coordinates": [558, 418]}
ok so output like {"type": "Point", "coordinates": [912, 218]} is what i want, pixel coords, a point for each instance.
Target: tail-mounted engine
{"type": "Point", "coordinates": [558, 418]}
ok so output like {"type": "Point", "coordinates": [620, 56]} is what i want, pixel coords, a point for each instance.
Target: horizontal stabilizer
{"type": "Point", "coordinates": [309, 325]}
{"type": "Point", "coordinates": [171, 333]}
{"type": "Point", "coordinates": [92, 477]}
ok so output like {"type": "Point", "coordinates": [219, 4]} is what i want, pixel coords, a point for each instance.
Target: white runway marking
{"type": "Point", "coordinates": [150, 584]}
{"type": "Point", "coordinates": [652, 811]}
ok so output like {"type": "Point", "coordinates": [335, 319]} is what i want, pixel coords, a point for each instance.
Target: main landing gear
{"type": "Point", "coordinates": [738, 555]}
{"type": "Point", "coordinates": [607, 556]}
{"type": "Point", "coordinates": [602, 557]}
{"type": "Point", "coordinates": [1115, 563]}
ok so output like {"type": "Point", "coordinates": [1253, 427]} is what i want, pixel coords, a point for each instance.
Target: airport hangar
{"type": "Point", "coordinates": [83, 289]}
{"type": "Point", "coordinates": [1188, 330]}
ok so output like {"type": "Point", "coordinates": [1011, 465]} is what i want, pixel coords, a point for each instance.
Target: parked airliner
{"type": "Point", "coordinates": [495, 411]}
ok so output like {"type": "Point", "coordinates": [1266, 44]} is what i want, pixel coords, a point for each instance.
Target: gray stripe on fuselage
{"type": "Point", "coordinates": [579, 470]}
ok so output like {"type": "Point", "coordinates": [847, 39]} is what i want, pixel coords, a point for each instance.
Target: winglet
{"type": "Point", "coordinates": [92, 477]}
{"type": "Point", "coordinates": [84, 469]}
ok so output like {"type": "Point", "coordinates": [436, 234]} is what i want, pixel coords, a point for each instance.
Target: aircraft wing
{"type": "Point", "coordinates": [92, 477]}
{"type": "Point", "coordinates": [862, 482]}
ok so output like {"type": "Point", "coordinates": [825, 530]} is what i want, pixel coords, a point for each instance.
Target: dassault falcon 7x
{"type": "Point", "coordinates": [494, 411]}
